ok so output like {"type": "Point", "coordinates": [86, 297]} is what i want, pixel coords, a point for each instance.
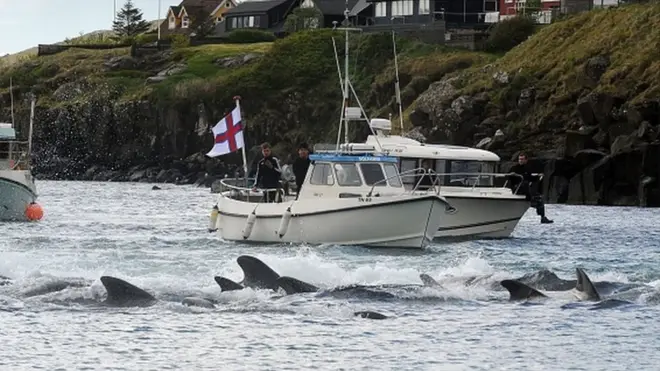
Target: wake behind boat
{"type": "Point", "coordinates": [18, 193]}
{"type": "Point", "coordinates": [345, 200]}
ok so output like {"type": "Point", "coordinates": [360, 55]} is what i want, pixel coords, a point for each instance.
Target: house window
{"type": "Point", "coordinates": [402, 7]}
{"type": "Point", "coordinates": [424, 7]}
{"type": "Point", "coordinates": [234, 23]}
{"type": "Point", "coordinates": [185, 22]}
{"type": "Point", "coordinates": [381, 10]}
{"type": "Point", "coordinates": [245, 22]}
{"type": "Point", "coordinates": [218, 19]}
{"type": "Point", "coordinates": [172, 23]}
{"type": "Point", "coordinates": [228, 5]}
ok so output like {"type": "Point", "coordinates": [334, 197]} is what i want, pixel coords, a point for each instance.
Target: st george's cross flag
{"type": "Point", "coordinates": [228, 134]}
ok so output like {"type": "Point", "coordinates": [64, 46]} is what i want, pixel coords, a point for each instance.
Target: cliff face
{"type": "Point", "coordinates": [581, 96]}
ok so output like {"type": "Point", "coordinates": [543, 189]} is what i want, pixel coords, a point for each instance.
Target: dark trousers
{"type": "Point", "coordinates": [271, 196]}
{"type": "Point", "coordinates": [532, 194]}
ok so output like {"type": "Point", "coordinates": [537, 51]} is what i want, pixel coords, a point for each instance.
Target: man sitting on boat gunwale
{"type": "Point", "coordinates": [529, 186]}
{"type": "Point", "coordinates": [268, 174]}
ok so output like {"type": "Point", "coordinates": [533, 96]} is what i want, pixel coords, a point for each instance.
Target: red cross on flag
{"type": "Point", "coordinates": [228, 134]}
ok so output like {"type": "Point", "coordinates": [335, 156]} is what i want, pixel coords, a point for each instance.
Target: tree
{"type": "Point", "coordinates": [129, 22]}
{"type": "Point", "coordinates": [303, 19]}
{"type": "Point", "coordinates": [202, 27]}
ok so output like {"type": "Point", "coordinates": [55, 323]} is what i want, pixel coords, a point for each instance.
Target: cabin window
{"type": "Point", "coordinates": [466, 170]}
{"type": "Point", "coordinates": [373, 174]}
{"type": "Point", "coordinates": [381, 9]}
{"type": "Point", "coordinates": [392, 175]}
{"type": "Point", "coordinates": [441, 168]}
{"type": "Point", "coordinates": [424, 7]}
{"type": "Point", "coordinates": [322, 175]}
{"type": "Point", "coordinates": [406, 169]}
{"type": "Point", "coordinates": [185, 22]}
{"type": "Point", "coordinates": [234, 23]}
{"type": "Point", "coordinates": [347, 175]}
{"type": "Point", "coordinates": [172, 23]}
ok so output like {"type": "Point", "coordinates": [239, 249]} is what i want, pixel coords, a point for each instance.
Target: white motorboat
{"type": "Point", "coordinates": [464, 176]}
{"type": "Point", "coordinates": [18, 193]}
{"type": "Point", "coordinates": [344, 200]}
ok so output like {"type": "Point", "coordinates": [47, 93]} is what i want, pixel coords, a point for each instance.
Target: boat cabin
{"type": "Point", "coordinates": [343, 176]}
{"type": "Point", "coordinates": [13, 154]}
{"type": "Point", "coordinates": [456, 166]}
{"type": "Point", "coordinates": [7, 136]}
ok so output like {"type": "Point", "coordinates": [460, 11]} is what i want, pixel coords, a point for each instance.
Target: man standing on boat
{"type": "Point", "coordinates": [529, 186]}
{"type": "Point", "coordinates": [300, 166]}
{"type": "Point", "coordinates": [268, 174]}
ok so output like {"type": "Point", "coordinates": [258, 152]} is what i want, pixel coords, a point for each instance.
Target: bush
{"type": "Point", "coordinates": [180, 41]}
{"type": "Point", "coordinates": [247, 36]}
{"type": "Point", "coordinates": [146, 38]}
{"type": "Point", "coordinates": [509, 33]}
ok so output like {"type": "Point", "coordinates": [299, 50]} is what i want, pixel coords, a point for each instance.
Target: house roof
{"type": "Point", "coordinates": [195, 12]}
{"type": "Point", "coordinates": [221, 3]}
{"type": "Point", "coordinates": [175, 10]}
{"type": "Point", "coordinates": [334, 7]}
{"type": "Point", "coordinates": [255, 6]}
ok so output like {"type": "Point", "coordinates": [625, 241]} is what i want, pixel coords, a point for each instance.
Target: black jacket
{"type": "Point", "coordinates": [524, 170]}
{"type": "Point", "coordinates": [268, 177]}
{"type": "Point", "coordinates": [300, 167]}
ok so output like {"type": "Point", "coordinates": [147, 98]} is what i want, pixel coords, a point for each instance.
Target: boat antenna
{"type": "Point", "coordinates": [11, 97]}
{"type": "Point", "coordinates": [347, 86]}
{"type": "Point", "coordinates": [397, 88]}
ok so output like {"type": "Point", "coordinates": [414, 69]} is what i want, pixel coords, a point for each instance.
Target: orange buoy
{"type": "Point", "coordinates": [34, 212]}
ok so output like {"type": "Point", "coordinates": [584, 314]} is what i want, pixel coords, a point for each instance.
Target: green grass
{"type": "Point", "coordinates": [555, 57]}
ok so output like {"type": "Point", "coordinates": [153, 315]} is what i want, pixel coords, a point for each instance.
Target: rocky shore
{"type": "Point", "coordinates": [580, 97]}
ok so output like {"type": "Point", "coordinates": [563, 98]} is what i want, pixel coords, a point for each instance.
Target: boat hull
{"type": "Point", "coordinates": [17, 191]}
{"type": "Point", "coordinates": [482, 217]}
{"type": "Point", "coordinates": [401, 222]}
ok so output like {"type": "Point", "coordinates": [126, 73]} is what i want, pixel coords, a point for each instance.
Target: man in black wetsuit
{"type": "Point", "coordinates": [529, 186]}
{"type": "Point", "coordinates": [301, 165]}
{"type": "Point", "coordinates": [268, 174]}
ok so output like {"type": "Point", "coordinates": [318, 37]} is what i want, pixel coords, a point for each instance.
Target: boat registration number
{"type": "Point", "coordinates": [364, 199]}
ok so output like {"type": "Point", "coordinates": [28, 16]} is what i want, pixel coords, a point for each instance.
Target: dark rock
{"type": "Point", "coordinates": [156, 188]}
{"type": "Point", "coordinates": [596, 67]}
{"type": "Point", "coordinates": [587, 157]}
{"type": "Point", "coordinates": [576, 141]}
{"type": "Point", "coordinates": [124, 62]}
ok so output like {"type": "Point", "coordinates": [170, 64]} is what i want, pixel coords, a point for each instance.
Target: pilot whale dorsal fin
{"type": "Point", "coordinates": [227, 285]}
{"type": "Point", "coordinates": [585, 286]}
{"type": "Point", "coordinates": [428, 280]}
{"type": "Point", "coordinates": [295, 286]}
{"type": "Point", "coordinates": [121, 292]}
{"type": "Point", "coordinates": [520, 291]}
{"type": "Point", "coordinates": [256, 273]}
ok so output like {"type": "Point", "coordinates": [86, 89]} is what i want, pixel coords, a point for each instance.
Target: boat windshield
{"type": "Point", "coordinates": [355, 171]}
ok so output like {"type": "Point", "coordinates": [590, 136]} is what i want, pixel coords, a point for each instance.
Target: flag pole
{"type": "Point", "coordinates": [245, 168]}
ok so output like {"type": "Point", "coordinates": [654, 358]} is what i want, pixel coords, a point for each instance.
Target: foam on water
{"type": "Point", "coordinates": [158, 241]}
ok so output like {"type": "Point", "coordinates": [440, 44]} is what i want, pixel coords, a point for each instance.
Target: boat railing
{"type": "Point", "coordinates": [242, 189]}
{"type": "Point", "coordinates": [14, 155]}
{"type": "Point", "coordinates": [435, 185]}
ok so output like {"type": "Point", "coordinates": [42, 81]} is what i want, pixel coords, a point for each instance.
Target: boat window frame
{"type": "Point", "coordinates": [330, 171]}
{"type": "Point", "coordinates": [357, 172]}
{"type": "Point", "coordinates": [395, 176]}
{"type": "Point", "coordinates": [378, 183]}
